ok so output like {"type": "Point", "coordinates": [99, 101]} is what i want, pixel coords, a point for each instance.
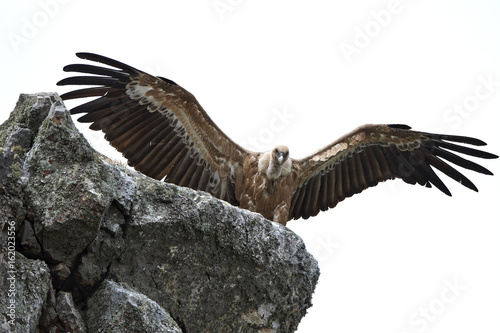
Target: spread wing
{"type": "Point", "coordinates": [375, 153]}
{"type": "Point", "coordinates": [158, 126]}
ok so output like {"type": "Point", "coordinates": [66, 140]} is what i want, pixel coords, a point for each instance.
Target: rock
{"type": "Point", "coordinates": [65, 192]}
{"type": "Point", "coordinates": [104, 229]}
{"type": "Point", "coordinates": [69, 314]}
{"type": "Point", "coordinates": [49, 321]}
{"type": "Point", "coordinates": [16, 139]}
{"type": "Point", "coordinates": [59, 273]}
{"type": "Point", "coordinates": [115, 308]}
{"type": "Point", "coordinates": [24, 286]}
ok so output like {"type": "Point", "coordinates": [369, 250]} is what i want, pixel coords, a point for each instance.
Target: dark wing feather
{"type": "Point", "coordinates": [375, 153]}
{"type": "Point", "coordinates": [158, 126]}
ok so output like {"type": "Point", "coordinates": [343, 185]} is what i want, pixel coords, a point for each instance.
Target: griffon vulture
{"type": "Point", "coordinates": [163, 132]}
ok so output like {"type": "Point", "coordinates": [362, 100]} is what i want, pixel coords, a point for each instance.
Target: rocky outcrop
{"type": "Point", "coordinates": [98, 247]}
{"type": "Point", "coordinates": [25, 285]}
{"type": "Point", "coordinates": [115, 308]}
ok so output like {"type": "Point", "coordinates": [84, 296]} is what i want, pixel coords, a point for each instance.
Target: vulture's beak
{"type": "Point", "coordinates": [280, 158]}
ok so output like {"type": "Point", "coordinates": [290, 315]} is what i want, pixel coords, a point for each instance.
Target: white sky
{"type": "Point", "coordinates": [386, 256]}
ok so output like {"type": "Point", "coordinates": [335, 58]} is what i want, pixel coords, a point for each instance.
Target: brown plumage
{"type": "Point", "coordinates": [163, 132]}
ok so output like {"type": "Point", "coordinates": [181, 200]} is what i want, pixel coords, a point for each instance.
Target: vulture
{"type": "Point", "coordinates": [163, 132]}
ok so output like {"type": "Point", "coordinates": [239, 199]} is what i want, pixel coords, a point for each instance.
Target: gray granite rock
{"type": "Point", "coordinates": [114, 308]}
{"type": "Point", "coordinates": [24, 286]}
{"type": "Point", "coordinates": [105, 229]}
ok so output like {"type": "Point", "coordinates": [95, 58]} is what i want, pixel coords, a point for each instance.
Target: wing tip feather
{"type": "Point", "coordinates": [399, 126]}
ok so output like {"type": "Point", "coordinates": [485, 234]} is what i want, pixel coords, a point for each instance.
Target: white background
{"type": "Point", "coordinates": [387, 255]}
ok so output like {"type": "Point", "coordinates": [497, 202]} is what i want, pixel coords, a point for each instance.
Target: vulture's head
{"type": "Point", "coordinates": [280, 154]}
{"type": "Point", "coordinates": [275, 163]}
